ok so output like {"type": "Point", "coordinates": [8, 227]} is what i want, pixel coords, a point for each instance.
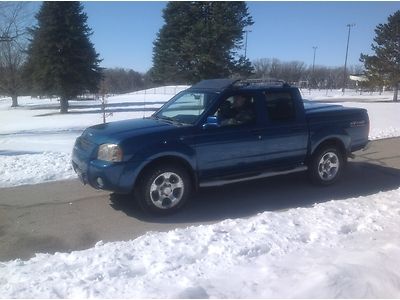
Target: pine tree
{"type": "Point", "coordinates": [200, 40]}
{"type": "Point", "coordinates": [61, 59]}
{"type": "Point", "coordinates": [384, 66]}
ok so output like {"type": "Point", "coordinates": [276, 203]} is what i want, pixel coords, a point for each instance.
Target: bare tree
{"type": "Point", "coordinates": [262, 67]}
{"type": "Point", "coordinates": [118, 80]}
{"type": "Point", "coordinates": [298, 73]}
{"type": "Point", "coordinates": [273, 68]}
{"type": "Point", "coordinates": [14, 20]}
{"type": "Point", "coordinates": [11, 61]}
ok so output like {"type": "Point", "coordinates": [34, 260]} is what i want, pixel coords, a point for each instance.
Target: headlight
{"type": "Point", "coordinates": [109, 152]}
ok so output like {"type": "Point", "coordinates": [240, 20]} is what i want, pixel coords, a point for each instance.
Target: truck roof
{"type": "Point", "coordinates": [219, 85]}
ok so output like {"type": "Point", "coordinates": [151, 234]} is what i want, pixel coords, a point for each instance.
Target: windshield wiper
{"type": "Point", "coordinates": [168, 119]}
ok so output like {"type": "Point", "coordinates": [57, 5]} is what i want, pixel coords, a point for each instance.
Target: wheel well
{"type": "Point", "coordinates": [333, 142]}
{"type": "Point", "coordinates": [171, 160]}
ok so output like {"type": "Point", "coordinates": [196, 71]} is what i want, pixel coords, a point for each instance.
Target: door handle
{"type": "Point", "coordinates": [257, 132]}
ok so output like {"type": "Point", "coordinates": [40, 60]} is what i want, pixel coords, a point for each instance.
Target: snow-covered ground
{"type": "Point", "coordinates": [36, 141]}
{"type": "Point", "coordinates": [338, 249]}
{"type": "Point", "coordinates": [383, 112]}
{"type": "Point", "coordinates": [333, 95]}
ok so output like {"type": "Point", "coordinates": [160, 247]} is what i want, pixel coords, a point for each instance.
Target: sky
{"type": "Point", "coordinates": [124, 31]}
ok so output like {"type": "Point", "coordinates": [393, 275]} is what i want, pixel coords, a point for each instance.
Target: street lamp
{"type": "Point", "coordinates": [345, 61]}
{"type": "Point", "coordinates": [313, 65]}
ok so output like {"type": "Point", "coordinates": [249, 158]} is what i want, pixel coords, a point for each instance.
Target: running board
{"type": "Point", "coordinates": [262, 175]}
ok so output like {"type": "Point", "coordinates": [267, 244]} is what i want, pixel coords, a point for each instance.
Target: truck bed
{"type": "Point", "coordinates": [349, 120]}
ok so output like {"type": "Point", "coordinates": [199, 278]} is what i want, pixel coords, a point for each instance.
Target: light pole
{"type": "Point", "coordinates": [345, 60]}
{"type": "Point", "coordinates": [245, 47]}
{"type": "Point", "coordinates": [313, 64]}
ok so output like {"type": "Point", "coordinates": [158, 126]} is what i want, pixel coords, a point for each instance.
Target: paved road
{"type": "Point", "coordinates": [65, 216]}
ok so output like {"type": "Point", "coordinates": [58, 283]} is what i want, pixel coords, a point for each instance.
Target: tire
{"type": "Point", "coordinates": [326, 165]}
{"type": "Point", "coordinates": [164, 189]}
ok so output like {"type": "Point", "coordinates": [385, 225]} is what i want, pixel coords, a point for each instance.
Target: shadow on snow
{"type": "Point", "coordinates": [97, 106]}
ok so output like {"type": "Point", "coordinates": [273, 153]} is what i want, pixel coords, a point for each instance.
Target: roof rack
{"type": "Point", "coordinates": [215, 84]}
{"type": "Point", "coordinates": [224, 83]}
{"type": "Point", "coordinates": [269, 82]}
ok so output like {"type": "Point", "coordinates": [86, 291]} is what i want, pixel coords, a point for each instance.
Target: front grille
{"type": "Point", "coordinates": [85, 145]}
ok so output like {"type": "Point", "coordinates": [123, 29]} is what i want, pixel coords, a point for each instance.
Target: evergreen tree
{"type": "Point", "coordinates": [384, 66]}
{"type": "Point", "coordinates": [62, 61]}
{"type": "Point", "coordinates": [200, 40]}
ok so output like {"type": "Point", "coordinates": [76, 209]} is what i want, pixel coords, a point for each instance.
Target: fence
{"type": "Point", "coordinates": [164, 90]}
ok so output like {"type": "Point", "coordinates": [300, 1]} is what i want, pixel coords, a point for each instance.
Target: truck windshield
{"type": "Point", "coordinates": [185, 108]}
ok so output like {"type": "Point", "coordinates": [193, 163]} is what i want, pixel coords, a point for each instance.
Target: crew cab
{"type": "Point", "coordinates": [217, 132]}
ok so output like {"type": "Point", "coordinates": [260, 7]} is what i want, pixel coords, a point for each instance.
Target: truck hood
{"type": "Point", "coordinates": [115, 131]}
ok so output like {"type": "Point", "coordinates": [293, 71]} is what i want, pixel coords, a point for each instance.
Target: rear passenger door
{"type": "Point", "coordinates": [285, 132]}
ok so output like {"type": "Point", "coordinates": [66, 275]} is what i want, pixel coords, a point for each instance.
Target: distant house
{"type": "Point", "coordinates": [358, 78]}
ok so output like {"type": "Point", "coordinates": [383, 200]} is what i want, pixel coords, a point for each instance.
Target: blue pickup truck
{"type": "Point", "coordinates": [217, 132]}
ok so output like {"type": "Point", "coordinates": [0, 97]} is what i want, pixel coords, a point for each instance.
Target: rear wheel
{"type": "Point", "coordinates": [164, 189]}
{"type": "Point", "coordinates": [326, 165]}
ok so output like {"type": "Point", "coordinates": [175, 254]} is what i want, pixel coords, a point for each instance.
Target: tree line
{"type": "Point", "coordinates": [303, 75]}
{"type": "Point", "coordinates": [198, 40]}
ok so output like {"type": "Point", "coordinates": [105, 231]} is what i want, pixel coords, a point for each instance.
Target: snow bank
{"type": "Point", "coordinates": [337, 249]}
{"type": "Point", "coordinates": [34, 168]}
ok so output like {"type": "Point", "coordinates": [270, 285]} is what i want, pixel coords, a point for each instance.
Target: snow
{"type": "Point", "coordinates": [383, 112]}
{"type": "Point", "coordinates": [337, 249]}
{"type": "Point", "coordinates": [47, 166]}
{"type": "Point", "coordinates": [337, 95]}
{"type": "Point", "coordinates": [348, 248]}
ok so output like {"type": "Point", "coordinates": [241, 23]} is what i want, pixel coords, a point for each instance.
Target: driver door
{"type": "Point", "coordinates": [230, 149]}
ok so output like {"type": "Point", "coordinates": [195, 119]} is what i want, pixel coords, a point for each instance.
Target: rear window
{"type": "Point", "coordinates": [280, 106]}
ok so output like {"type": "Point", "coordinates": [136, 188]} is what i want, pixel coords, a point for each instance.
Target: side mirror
{"type": "Point", "coordinates": [211, 122]}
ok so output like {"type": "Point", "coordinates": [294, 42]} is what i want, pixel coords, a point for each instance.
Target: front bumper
{"type": "Point", "coordinates": [100, 174]}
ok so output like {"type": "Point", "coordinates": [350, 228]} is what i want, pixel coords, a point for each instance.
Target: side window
{"type": "Point", "coordinates": [236, 110]}
{"type": "Point", "coordinates": [280, 106]}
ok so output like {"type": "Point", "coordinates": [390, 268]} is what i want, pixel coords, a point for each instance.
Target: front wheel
{"type": "Point", "coordinates": [164, 189]}
{"type": "Point", "coordinates": [326, 165]}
